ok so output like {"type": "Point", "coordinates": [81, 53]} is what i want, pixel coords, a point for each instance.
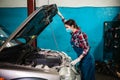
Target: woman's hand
{"type": "Point", "coordinates": [74, 62]}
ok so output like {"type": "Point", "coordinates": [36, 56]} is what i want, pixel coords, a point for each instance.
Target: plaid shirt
{"type": "Point", "coordinates": [80, 40]}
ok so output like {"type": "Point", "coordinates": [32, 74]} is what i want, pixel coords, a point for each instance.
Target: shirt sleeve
{"type": "Point", "coordinates": [83, 43]}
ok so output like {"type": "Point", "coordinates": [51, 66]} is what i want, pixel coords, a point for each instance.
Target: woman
{"type": "Point", "coordinates": [80, 45]}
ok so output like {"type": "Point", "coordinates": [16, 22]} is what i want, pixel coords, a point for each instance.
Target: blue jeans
{"type": "Point", "coordinates": [87, 65]}
{"type": "Point", "coordinates": [87, 69]}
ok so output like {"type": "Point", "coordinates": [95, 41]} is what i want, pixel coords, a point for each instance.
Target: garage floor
{"type": "Point", "coordinates": [100, 76]}
{"type": "Point", "coordinates": [106, 71]}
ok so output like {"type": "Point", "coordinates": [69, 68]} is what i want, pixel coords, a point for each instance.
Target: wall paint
{"type": "Point", "coordinates": [12, 17]}
{"type": "Point", "coordinates": [61, 3]}
{"type": "Point", "coordinates": [90, 19]}
{"type": "Point", "coordinates": [21, 3]}
{"type": "Point", "coordinates": [79, 3]}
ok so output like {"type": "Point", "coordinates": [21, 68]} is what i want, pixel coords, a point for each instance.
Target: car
{"type": "Point", "coordinates": [20, 60]}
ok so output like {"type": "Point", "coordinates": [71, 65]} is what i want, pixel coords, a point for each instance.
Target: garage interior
{"type": "Point", "coordinates": [99, 19]}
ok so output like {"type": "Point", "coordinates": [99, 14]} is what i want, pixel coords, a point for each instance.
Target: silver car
{"type": "Point", "coordinates": [19, 60]}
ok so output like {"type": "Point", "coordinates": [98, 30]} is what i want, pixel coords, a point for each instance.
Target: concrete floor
{"type": "Point", "coordinates": [107, 71]}
{"type": "Point", "coordinates": [100, 76]}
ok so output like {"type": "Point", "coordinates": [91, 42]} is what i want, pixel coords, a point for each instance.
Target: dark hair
{"type": "Point", "coordinates": [71, 22]}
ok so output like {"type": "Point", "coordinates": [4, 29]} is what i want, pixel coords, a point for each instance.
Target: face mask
{"type": "Point", "coordinates": [68, 30]}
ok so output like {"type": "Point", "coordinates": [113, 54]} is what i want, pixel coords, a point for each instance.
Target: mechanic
{"type": "Point", "coordinates": [80, 44]}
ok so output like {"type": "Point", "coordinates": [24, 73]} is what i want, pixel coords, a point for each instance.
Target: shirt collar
{"type": "Point", "coordinates": [78, 30]}
{"type": "Point", "coordinates": [75, 32]}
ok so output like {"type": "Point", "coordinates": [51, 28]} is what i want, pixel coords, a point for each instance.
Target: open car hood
{"type": "Point", "coordinates": [34, 24]}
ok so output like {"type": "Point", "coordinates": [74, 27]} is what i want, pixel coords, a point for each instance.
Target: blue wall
{"type": "Point", "coordinates": [90, 20]}
{"type": "Point", "coordinates": [11, 18]}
